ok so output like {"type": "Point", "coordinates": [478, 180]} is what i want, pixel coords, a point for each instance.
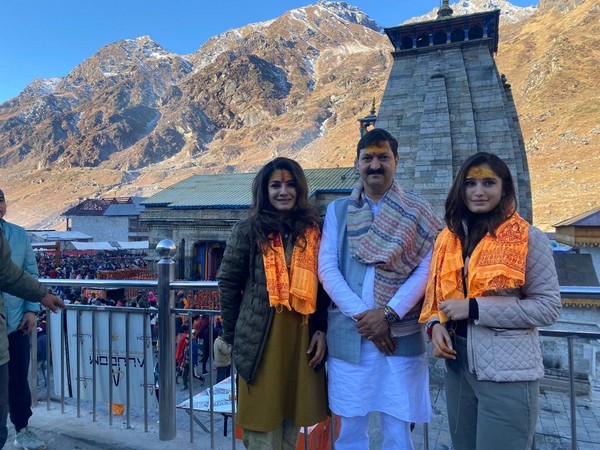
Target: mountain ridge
{"type": "Point", "coordinates": [135, 118]}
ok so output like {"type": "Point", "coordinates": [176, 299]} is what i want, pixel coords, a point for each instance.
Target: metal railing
{"type": "Point", "coordinates": [574, 292]}
{"type": "Point", "coordinates": [570, 336]}
{"type": "Point", "coordinates": [165, 287]}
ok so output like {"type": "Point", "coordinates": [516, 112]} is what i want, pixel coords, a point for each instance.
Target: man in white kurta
{"type": "Point", "coordinates": [379, 375]}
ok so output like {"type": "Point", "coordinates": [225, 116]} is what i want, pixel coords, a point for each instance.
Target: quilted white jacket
{"type": "Point", "coordinates": [503, 344]}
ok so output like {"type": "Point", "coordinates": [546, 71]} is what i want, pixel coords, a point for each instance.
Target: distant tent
{"type": "Point", "coordinates": [134, 245]}
{"type": "Point", "coordinates": [83, 246]}
{"type": "Point", "coordinates": [107, 246]}
{"type": "Point", "coordinates": [46, 236]}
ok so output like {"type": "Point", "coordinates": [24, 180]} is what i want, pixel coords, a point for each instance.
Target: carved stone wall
{"type": "Point", "coordinates": [444, 103]}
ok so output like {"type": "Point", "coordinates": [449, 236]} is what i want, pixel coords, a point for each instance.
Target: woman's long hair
{"type": "Point", "coordinates": [266, 219]}
{"type": "Point", "coordinates": [469, 227]}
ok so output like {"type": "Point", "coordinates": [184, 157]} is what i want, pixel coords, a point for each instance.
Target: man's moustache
{"type": "Point", "coordinates": [376, 172]}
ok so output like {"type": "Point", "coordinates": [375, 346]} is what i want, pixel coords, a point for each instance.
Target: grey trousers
{"type": "Point", "coordinates": [283, 438]}
{"type": "Point", "coordinates": [487, 415]}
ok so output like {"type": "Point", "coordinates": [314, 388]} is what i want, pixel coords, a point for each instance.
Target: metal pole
{"type": "Point", "coordinates": [190, 380]}
{"type": "Point", "coordinates": [78, 359]}
{"type": "Point", "coordinates": [49, 362]}
{"type": "Point", "coordinates": [211, 392]}
{"type": "Point", "coordinates": [94, 367]}
{"type": "Point", "coordinates": [572, 394]}
{"type": "Point", "coordinates": [233, 403]}
{"type": "Point", "coordinates": [33, 366]}
{"type": "Point", "coordinates": [63, 341]}
{"type": "Point", "coordinates": [305, 432]}
{"type": "Point", "coordinates": [110, 369]}
{"type": "Point", "coordinates": [166, 324]}
{"type": "Point", "coordinates": [127, 371]}
{"type": "Point", "coordinates": [145, 319]}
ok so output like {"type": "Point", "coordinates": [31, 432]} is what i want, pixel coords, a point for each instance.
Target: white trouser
{"type": "Point", "coordinates": [354, 433]}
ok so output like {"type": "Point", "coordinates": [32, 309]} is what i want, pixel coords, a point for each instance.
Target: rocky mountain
{"type": "Point", "coordinates": [510, 14]}
{"type": "Point", "coordinates": [550, 60]}
{"type": "Point", "coordinates": [134, 118]}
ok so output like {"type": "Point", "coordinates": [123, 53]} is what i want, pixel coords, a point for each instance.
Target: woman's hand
{"type": "Point", "coordinates": [455, 309]}
{"type": "Point", "coordinates": [317, 347]}
{"type": "Point", "coordinates": [442, 344]}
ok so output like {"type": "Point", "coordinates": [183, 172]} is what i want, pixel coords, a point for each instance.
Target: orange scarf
{"type": "Point", "coordinates": [496, 263]}
{"type": "Point", "coordinates": [301, 293]}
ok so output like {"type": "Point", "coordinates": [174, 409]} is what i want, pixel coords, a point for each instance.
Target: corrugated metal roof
{"type": "Point", "coordinates": [340, 178]}
{"type": "Point", "coordinates": [110, 206]}
{"type": "Point", "coordinates": [210, 191]}
{"type": "Point", "coordinates": [587, 219]}
{"type": "Point", "coordinates": [234, 190]}
{"type": "Point", "coordinates": [123, 209]}
{"type": "Point", "coordinates": [137, 201]}
{"type": "Point", "coordinates": [89, 207]}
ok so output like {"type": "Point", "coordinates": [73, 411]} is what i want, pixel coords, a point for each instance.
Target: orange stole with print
{"type": "Point", "coordinates": [296, 289]}
{"type": "Point", "coordinates": [496, 263]}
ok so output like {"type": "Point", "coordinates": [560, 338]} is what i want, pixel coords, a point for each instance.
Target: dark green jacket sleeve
{"type": "Point", "coordinates": [15, 280]}
{"type": "Point", "coordinates": [318, 320]}
{"type": "Point", "coordinates": [233, 276]}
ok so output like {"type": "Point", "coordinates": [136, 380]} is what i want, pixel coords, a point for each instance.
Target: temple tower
{"type": "Point", "coordinates": [446, 100]}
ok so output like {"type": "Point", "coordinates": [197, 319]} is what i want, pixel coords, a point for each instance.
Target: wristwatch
{"type": "Point", "coordinates": [391, 317]}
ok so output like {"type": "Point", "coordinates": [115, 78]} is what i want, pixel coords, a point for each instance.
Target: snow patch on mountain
{"type": "Point", "coordinates": [41, 86]}
{"type": "Point", "coordinates": [509, 12]}
{"type": "Point", "coordinates": [350, 13]}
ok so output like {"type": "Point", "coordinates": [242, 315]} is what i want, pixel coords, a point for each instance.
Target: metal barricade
{"type": "Point", "coordinates": [165, 287]}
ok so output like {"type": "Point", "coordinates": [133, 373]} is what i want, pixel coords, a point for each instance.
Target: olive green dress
{"type": "Point", "coordinates": [285, 386]}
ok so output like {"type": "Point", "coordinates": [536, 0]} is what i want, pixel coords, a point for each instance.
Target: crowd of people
{"type": "Point", "coordinates": [332, 316]}
{"type": "Point", "coordinates": [86, 266]}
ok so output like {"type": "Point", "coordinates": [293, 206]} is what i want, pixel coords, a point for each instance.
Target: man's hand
{"type": "Point", "coordinates": [52, 302]}
{"type": "Point", "coordinates": [442, 344]}
{"type": "Point", "coordinates": [371, 325]}
{"type": "Point", "coordinates": [28, 322]}
{"type": "Point", "coordinates": [317, 347]}
{"type": "Point", "coordinates": [455, 309]}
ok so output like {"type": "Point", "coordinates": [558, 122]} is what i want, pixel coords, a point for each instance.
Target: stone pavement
{"type": "Point", "coordinates": [67, 431]}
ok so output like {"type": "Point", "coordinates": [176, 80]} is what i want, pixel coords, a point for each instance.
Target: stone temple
{"type": "Point", "coordinates": [446, 100]}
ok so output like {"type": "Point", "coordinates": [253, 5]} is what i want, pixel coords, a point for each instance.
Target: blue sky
{"type": "Point", "coordinates": [43, 39]}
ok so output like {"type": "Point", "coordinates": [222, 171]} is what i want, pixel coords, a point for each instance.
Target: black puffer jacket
{"type": "Point", "coordinates": [245, 309]}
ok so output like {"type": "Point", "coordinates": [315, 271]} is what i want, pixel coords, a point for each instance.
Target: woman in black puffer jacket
{"type": "Point", "coordinates": [274, 311]}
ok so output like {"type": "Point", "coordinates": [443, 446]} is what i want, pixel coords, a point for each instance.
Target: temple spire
{"type": "Point", "coordinates": [368, 121]}
{"type": "Point", "coordinates": [445, 10]}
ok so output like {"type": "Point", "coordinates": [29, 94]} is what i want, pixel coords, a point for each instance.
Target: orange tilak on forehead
{"type": "Point", "coordinates": [282, 176]}
{"type": "Point", "coordinates": [481, 172]}
{"type": "Point", "coordinates": [376, 150]}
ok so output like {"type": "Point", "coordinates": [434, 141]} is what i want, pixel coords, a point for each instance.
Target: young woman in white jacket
{"type": "Point", "coordinates": [492, 283]}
